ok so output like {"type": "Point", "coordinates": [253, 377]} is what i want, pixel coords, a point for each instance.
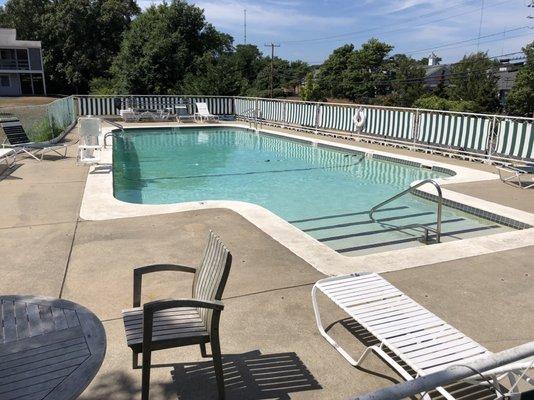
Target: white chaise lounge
{"type": "Point", "coordinates": [203, 113]}
{"type": "Point", "coordinates": [520, 176]}
{"type": "Point", "coordinates": [419, 338]}
{"type": "Point", "coordinates": [7, 155]}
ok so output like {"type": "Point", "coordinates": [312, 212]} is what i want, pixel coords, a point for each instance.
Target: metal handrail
{"type": "Point", "coordinates": [421, 183]}
{"type": "Point", "coordinates": [115, 124]}
{"type": "Point", "coordinates": [492, 365]}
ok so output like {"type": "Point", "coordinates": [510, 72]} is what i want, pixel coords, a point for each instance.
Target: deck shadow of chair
{"type": "Point", "coordinates": [460, 390]}
{"type": "Point", "coordinates": [250, 375]}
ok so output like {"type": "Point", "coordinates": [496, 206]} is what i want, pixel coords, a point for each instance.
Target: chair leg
{"type": "Point", "coordinates": [203, 352]}
{"type": "Point", "coordinates": [217, 363]}
{"type": "Point", "coordinates": [135, 360]}
{"type": "Point", "coordinates": [145, 386]}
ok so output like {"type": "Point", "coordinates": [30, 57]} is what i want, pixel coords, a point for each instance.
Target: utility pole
{"type": "Point", "coordinates": [245, 24]}
{"type": "Point", "coordinates": [480, 24]}
{"type": "Point", "coordinates": [272, 46]}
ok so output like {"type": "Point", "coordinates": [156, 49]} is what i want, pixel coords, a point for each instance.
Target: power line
{"type": "Point", "coordinates": [380, 28]}
{"type": "Point", "coordinates": [272, 46]}
{"type": "Point", "coordinates": [472, 39]}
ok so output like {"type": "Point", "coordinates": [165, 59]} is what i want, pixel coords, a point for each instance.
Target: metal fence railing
{"type": "Point", "coordinates": [44, 122]}
{"type": "Point", "coordinates": [488, 138]}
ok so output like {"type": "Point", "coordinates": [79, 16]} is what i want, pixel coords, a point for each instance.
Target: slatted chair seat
{"type": "Point", "coordinates": [164, 324]}
{"type": "Point", "coordinates": [419, 338]}
{"type": "Point", "coordinates": [171, 324]}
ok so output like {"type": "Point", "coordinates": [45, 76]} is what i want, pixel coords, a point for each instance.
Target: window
{"type": "Point", "coordinates": [5, 81]}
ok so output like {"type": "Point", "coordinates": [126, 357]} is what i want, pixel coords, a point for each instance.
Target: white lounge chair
{"type": "Point", "coordinates": [129, 115]}
{"type": "Point", "coordinates": [422, 340]}
{"type": "Point", "coordinates": [182, 113]}
{"type": "Point", "coordinates": [89, 147]}
{"type": "Point", "coordinates": [520, 176]}
{"type": "Point", "coordinates": [6, 155]}
{"type": "Point", "coordinates": [203, 113]}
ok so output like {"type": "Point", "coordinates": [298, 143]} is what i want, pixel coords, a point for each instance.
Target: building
{"type": "Point", "coordinates": [21, 66]}
{"type": "Point", "coordinates": [435, 73]}
{"type": "Point", "coordinates": [506, 75]}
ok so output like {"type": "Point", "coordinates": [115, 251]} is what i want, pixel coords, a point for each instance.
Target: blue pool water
{"type": "Point", "coordinates": [324, 192]}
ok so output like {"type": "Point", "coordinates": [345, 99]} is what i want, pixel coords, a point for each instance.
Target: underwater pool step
{"type": "Point", "coordinates": [368, 222]}
{"type": "Point", "coordinates": [397, 243]}
{"type": "Point", "coordinates": [416, 227]}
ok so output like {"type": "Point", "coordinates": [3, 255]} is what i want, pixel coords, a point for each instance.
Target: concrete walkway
{"type": "Point", "coordinates": [47, 250]}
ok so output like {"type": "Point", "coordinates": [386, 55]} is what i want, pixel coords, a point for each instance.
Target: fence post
{"type": "Point", "coordinates": [491, 137]}
{"type": "Point", "coordinates": [415, 128]}
{"type": "Point", "coordinates": [317, 117]}
{"type": "Point", "coordinates": [284, 114]}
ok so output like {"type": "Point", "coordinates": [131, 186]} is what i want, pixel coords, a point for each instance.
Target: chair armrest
{"type": "Point", "coordinates": [159, 305]}
{"type": "Point", "coordinates": [139, 272]}
{"type": "Point", "coordinates": [150, 308]}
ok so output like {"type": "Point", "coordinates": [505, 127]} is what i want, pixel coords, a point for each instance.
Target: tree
{"type": "Point", "coordinates": [520, 100]}
{"type": "Point", "coordinates": [473, 79]}
{"type": "Point", "coordinates": [407, 82]}
{"type": "Point", "coordinates": [311, 91]}
{"type": "Point", "coordinates": [80, 37]}
{"type": "Point", "coordinates": [25, 16]}
{"type": "Point", "coordinates": [331, 72]}
{"type": "Point", "coordinates": [214, 75]}
{"type": "Point", "coordinates": [356, 74]}
{"type": "Point", "coordinates": [162, 47]}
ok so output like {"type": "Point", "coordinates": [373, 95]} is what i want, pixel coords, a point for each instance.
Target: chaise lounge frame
{"type": "Point", "coordinates": [423, 341]}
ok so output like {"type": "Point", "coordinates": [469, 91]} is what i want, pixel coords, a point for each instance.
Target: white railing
{"type": "Point", "coordinates": [483, 137]}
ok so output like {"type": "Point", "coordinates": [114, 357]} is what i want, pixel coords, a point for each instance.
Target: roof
{"type": "Point", "coordinates": [8, 38]}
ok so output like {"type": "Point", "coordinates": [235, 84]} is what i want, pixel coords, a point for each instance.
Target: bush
{"type": "Point", "coordinates": [439, 103]}
{"type": "Point", "coordinates": [43, 131]}
{"type": "Point", "coordinates": [102, 86]}
{"type": "Point", "coordinates": [311, 91]}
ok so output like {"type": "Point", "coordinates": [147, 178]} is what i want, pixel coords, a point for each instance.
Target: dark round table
{"type": "Point", "coordinates": [49, 348]}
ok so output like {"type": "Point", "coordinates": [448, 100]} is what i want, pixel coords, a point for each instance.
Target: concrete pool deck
{"type": "Point", "coordinates": [47, 249]}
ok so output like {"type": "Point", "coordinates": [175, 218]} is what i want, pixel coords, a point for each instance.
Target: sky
{"type": "Point", "coordinates": [310, 29]}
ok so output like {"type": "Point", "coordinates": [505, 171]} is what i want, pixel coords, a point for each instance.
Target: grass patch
{"type": "Point", "coordinates": [43, 131]}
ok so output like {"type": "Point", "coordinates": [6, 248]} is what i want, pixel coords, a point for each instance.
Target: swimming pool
{"type": "Point", "coordinates": [325, 192]}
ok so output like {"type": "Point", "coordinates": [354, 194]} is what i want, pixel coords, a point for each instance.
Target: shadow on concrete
{"type": "Point", "coordinates": [249, 375]}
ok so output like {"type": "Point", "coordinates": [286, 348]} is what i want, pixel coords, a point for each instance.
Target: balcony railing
{"type": "Point", "coordinates": [13, 64]}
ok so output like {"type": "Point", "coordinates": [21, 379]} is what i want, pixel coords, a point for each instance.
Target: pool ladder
{"type": "Point", "coordinates": [115, 124]}
{"type": "Point", "coordinates": [426, 236]}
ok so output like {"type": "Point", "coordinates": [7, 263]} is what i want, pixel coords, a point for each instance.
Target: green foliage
{"type": "Point", "coordinates": [520, 100]}
{"type": "Point", "coordinates": [440, 103]}
{"type": "Point", "coordinates": [43, 131]}
{"type": "Point", "coordinates": [473, 79]}
{"type": "Point", "coordinates": [102, 86]}
{"type": "Point", "coordinates": [407, 83]}
{"type": "Point", "coordinates": [163, 46]}
{"type": "Point", "coordinates": [311, 91]}
{"type": "Point", "coordinates": [286, 76]}
{"type": "Point", "coordinates": [80, 37]}
{"type": "Point", "coordinates": [356, 75]}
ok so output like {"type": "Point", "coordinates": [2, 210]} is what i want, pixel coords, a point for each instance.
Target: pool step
{"type": "Point", "coordinates": [353, 234]}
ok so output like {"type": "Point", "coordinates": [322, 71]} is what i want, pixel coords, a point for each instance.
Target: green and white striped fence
{"type": "Point", "coordinates": [469, 133]}
{"type": "Point", "coordinates": [516, 139]}
{"type": "Point", "coordinates": [477, 136]}
{"type": "Point", "coordinates": [105, 105]}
